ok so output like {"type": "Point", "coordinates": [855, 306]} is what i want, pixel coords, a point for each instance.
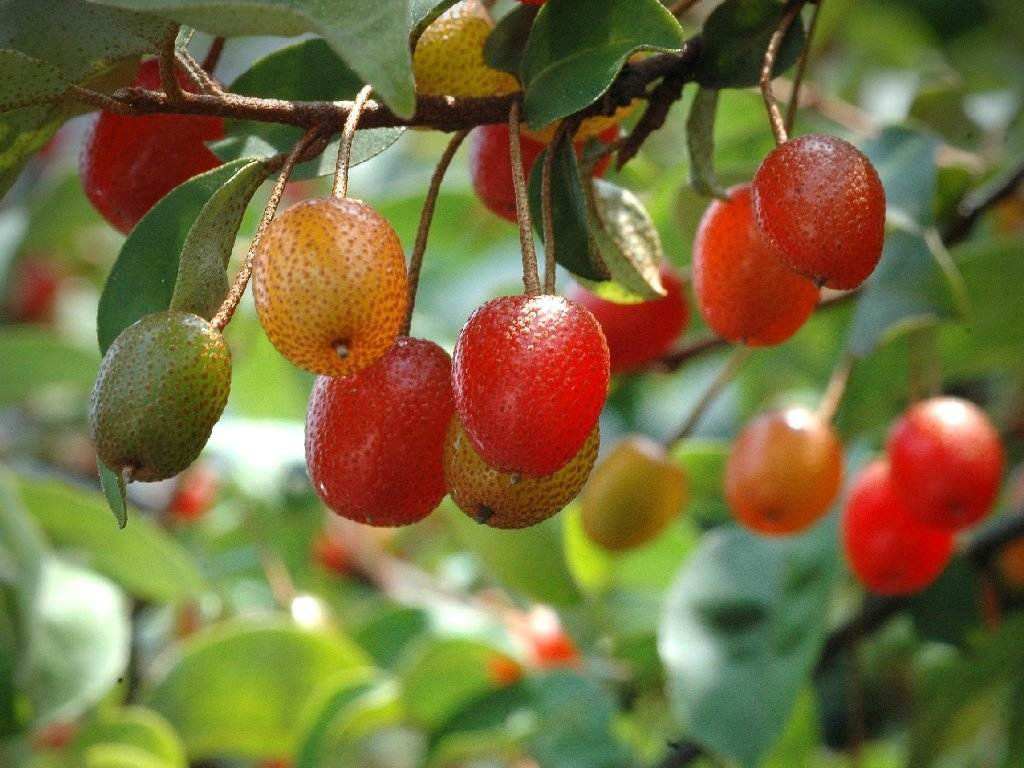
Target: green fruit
{"type": "Point", "coordinates": [161, 387]}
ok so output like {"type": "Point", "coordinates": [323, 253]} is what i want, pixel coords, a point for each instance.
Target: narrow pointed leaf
{"type": "Point", "coordinates": [700, 143]}
{"type": "Point", "coordinates": [112, 484]}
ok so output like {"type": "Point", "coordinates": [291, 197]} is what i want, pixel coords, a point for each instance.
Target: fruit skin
{"type": "Point", "coordinates": [783, 472]}
{"type": "Point", "coordinates": [374, 440]}
{"type": "Point", "coordinates": [491, 169]}
{"type": "Point", "coordinates": [129, 162]}
{"type": "Point", "coordinates": [530, 376]}
{"type": "Point", "coordinates": [449, 56]}
{"type": "Point", "coordinates": [947, 462]}
{"type": "Point", "coordinates": [330, 272]}
{"type": "Point", "coordinates": [744, 291]}
{"type": "Point", "coordinates": [632, 495]}
{"type": "Point", "coordinates": [820, 203]}
{"type": "Point", "coordinates": [508, 499]}
{"type": "Point", "coordinates": [642, 332]}
{"type": "Point", "coordinates": [162, 385]}
{"type": "Point", "coordinates": [890, 551]}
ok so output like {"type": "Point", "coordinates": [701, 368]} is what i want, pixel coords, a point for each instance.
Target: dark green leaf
{"type": "Point", "coordinates": [27, 80]}
{"type": "Point", "coordinates": [735, 38]}
{"type": "Point", "coordinates": [143, 278]}
{"type": "Point", "coordinates": [23, 132]}
{"type": "Point", "coordinates": [950, 610]}
{"type": "Point", "coordinates": [422, 12]}
{"type": "Point", "coordinates": [372, 36]}
{"type": "Point", "coordinates": [905, 161]}
{"type": "Point", "coordinates": [507, 43]}
{"type": "Point", "coordinates": [569, 64]}
{"type": "Point", "coordinates": [332, 702]}
{"type": "Point", "coordinates": [627, 240]}
{"type": "Point", "coordinates": [114, 491]}
{"type": "Point", "coordinates": [45, 363]}
{"type": "Point", "coordinates": [700, 143]}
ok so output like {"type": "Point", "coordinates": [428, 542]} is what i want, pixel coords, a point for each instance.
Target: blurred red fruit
{"type": "Point", "coordinates": [195, 493]}
{"type": "Point", "coordinates": [32, 291]}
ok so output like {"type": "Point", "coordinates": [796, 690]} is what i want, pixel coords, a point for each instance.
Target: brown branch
{"type": "Point", "coordinates": [975, 203]}
{"type": "Point", "coordinates": [531, 280]}
{"type": "Point", "coordinates": [768, 70]}
{"type": "Point", "coordinates": [213, 55]}
{"type": "Point", "coordinates": [717, 385]}
{"type": "Point", "coordinates": [168, 65]}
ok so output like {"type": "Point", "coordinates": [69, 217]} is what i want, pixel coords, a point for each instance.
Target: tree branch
{"type": "Point", "coordinates": [980, 200]}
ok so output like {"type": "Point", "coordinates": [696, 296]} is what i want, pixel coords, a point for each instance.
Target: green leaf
{"type": "Point", "coordinates": [704, 462]}
{"type": "Point", "coordinates": [306, 71]}
{"type": "Point", "coordinates": [45, 363]}
{"type": "Point", "coordinates": [113, 486]}
{"type": "Point", "coordinates": [143, 278]}
{"type": "Point", "coordinates": [235, 688]}
{"type": "Point", "coordinates": [905, 161]}
{"type": "Point", "coordinates": [568, 64]}
{"type": "Point", "coordinates": [506, 44]}
{"type": "Point", "coordinates": [530, 561]}
{"type": "Point", "coordinates": [142, 558]}
{"type": "Point", "coordinates": [907, 290]}
{"type": "Point", "coordinates": [422, 12]}
{"type": "Point", "coordinates": [27, 80]}
{"type": "Point", "coordinates": [735, 38]}
{"type": "Point", "coordinates": [627, 239]}
{"type": "Point", "coordinates": [700, 143]}
{"type": "Point", "coordinates": [440, 676]}
{"type": "Point", "coordinates": [120, 756]}
{"type": "Point", "coordinates": [372, 36]}
{"type": "Point", "coordinates": [137, 728]}
{"type": "Point", "coordinates": [574, 247]}
{"type": "Point", "coordinates": [81, 645]}
{"type": "Point", "coordinates": [202, 281]}
{"type": "Point", "coordinates": [333, 702]}
{"type": "Point", "coordinates": [23, 132]}
{"type": "Point", "coordinates": [746, 614]}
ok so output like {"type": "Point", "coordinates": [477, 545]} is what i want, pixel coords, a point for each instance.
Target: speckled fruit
{"type": "Point", "coordinates": [784, 471]}
{"type": "Point", "coordinates": [820, 203]}
{"type": "Point", "coordinates": [530, 377]}
{"type": "Point", "coordinates": [890, 551]}
{"type": "Point", "coordinates": [745, 293]}
{"type": "Point", "coordinates": [449, 56]}
{"type": "Point", "coordinates": [129, 162]}
{"type": "Point", "coordinates": [162, 386]}
{"type": "Point", "coordinates": [374, 440]}
{"type": "Point", "coordinates": [491, 169]}
{"type": "Point", "coordinates": [641, 332]}
{"type": "Point", "coordinates": [632, 495]}
{"type": "Point", "coordinates": [330, 286]}
{"type": "Point", "coordinates": [509, 499]}
{"type": "Point", "coordinates": [947, 462]}
{"type": "Point", "coordinates": [591, 127]}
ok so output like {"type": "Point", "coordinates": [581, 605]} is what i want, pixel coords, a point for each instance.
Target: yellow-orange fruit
{"type": "Point", "coordinates": [330, 285]}
{"type": "Point", "coordinates": [633, 495]}
{"type": "Point", "coordinates": [590, 128]}
{"type": "Point", "coordinates": [509, 499]}
{"type": "Point", "coordinates": [449, 56]}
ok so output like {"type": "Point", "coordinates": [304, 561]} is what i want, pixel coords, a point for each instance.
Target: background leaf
{"type": "Point", "coordinates": [45, 364]}
{"type": "Point", "coordinates": [627, 240]}
{"type": "Point", "coordinates": [506, 44]}
{"type": "Point", "coordinates": [700, 142]}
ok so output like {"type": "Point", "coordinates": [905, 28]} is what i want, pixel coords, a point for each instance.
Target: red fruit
{"type": "Point", "coordinates": [194, 495]}
{"type": "Point", "coordinates": [55, 736]}
{"type": "Point", "coordinates": [642, 332]}
{"type": "Point", "coordinates": [745, 293]}
{"type": "Point", "coordinates": [491, 168]}
{"type": "Point", "coordinates": [374, 440]}
{"type": "Point", "coordinates": [332, 554]}
{"type": "Point", "coordinates": [530, 378]}
{"type": "Point", "coordinates": [130, 162]}
{"type": "Point", "coordinates": [504, 671]}
{"type": "Point", "coordinates": [550, 647]}
{"type": "Point", "coordinates": [819, 201]}
{"type": "Point", "coordinates": [888, 548]}
{"type": "Point", "coordinates": [947, 462]}
{"type": "Point", "coordinates": [32, 295]}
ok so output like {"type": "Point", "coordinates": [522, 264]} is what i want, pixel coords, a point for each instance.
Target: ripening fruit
{"type": "Point", "coordinates": [491, 168]}
{"type": "Point", "coordinates": [632, 495]}
{"type": "Point", "coordinates": [331, 554]}
{"type": "Point", "coordinates": [784, 471]}
{"type": "Point", "coordinates": [947, 461]}
{"type": "Point", "coordinates": [549, 645]}
{"type": "Point", "coordinates": [449, 56]}
{"type": "Point", "coordinates": [195, 493]}
{"type": "Point", "coordinates": [641, 332]}
{"type": "Point", "coordinates": [530, 378]}
{"type": "Point", "coordinates": [745, 293]}
{"type": "Point", "coordinates": [591, 127]}
{"type": "Point", "coordinates": [509, 499]}
{"type": "Point", "coordinates": [890, 551]}
{"type": "Point", "coordinates": [162, 385]}
{"type": "Point", "coordinates": [374, 440]}
{"type": "Point", "coordinates": [129, 162]}
{"type": "Point", "coordinates": [330, 286]}
{"type": "Point", "coordinates": [820, 203]}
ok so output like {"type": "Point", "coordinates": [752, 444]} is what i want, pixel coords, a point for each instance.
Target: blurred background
{"type": "Point", "coordinates": [236, 622]}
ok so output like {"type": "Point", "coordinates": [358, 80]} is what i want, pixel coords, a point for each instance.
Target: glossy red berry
{"type": "Point", "coordinates": [130, 162]}
{"type": "Point", "coordinates": [744, 291]}
{"type": "Point", "coordinates": [641, 332]}
{"type": "Point", "coordinates": [374, 440]}
{"type": "Point", "coordinates": [530, 378]}
{"type": "Point", "coordinates": [947, 462]}
{"type": "Point", "coordinates": [491, 168]}
{"type": "Point", "coordinates": [890, 551]}
{"type": "Point", "coordinates": [820, 203]}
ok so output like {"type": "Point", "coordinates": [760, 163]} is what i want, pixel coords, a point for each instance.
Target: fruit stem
{"type": "Point", "coordinates": [774, 113]}
{"type": "Point", "coordinates": [725, 375]}
{"type": "Point", "coordinates": [835, 389]}
{"type": "Point", "coordinates": [199, 76]}
{"type": "Point", "coordinates": [531, 279]}
{"type": "Point", "coordinates": [546, 213]}
{"type": "Point", "coordinates": [348, 133]}
{"type": "Point", "coordinates": [213, 55]}
{"type": "Point", "coordinates": [426, 217]}
{"type": "Point", "coordinates": [801, 68]}
{"type": "Point", "coordinates": [168, 63]}
{"type": "Point", "coordinates": [230, 304]}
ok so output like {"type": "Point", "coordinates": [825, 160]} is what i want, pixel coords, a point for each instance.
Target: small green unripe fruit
{"type": "Point", "coordinates": [161, 387]}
